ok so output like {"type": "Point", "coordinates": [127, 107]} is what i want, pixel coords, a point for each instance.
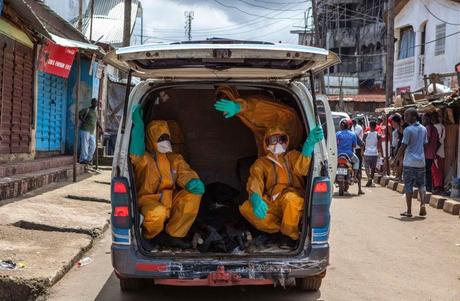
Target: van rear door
{"type": "Point", "coordinates": [221, 59]}
{"type": "Point", "coordinates": [327, 122]}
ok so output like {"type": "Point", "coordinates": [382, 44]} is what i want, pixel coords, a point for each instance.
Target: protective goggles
{"type": "Point", "coordinates": [164, 137]}
{"type": "Point", "coordinates": [272, 140]}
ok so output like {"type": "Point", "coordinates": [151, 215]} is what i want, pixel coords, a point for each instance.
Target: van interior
{"type": "Point", "coordinates": [221, 151]}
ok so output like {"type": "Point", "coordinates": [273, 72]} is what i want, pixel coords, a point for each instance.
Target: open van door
{"type": "Point", "coordinates": [325, 116]}
{"type": "Point", "coordinates": [221, 59]}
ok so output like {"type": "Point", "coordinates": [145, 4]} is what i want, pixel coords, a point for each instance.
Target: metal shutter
{"type": "Point", "coordinates": [16, 73]}
{"type": "Point", "coordinates": [51, 104]}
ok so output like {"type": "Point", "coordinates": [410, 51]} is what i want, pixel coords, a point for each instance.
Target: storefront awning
{"type": "Point", "coordinates": [50, 25]}
{"type": "Point", "coordinates": [72, 43]}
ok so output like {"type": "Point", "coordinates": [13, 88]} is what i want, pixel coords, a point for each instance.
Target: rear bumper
{"type": "Point", "coordinates": [129, 263]}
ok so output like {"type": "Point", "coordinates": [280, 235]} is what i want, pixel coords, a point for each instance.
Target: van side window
{"type": "Point", "coordinates": [322, 117]}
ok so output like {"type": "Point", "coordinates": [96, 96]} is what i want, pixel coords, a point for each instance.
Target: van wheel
{"type": "Point", "coordinates": [132, 284]}
{"type": "Point", "coordinates": [309, 284]}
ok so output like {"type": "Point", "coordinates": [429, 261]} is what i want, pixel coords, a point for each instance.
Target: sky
{"type": "Point", "coordinates": [262, 20]}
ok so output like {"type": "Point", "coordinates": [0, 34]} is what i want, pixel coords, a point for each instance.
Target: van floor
{"type": "Point", "coordinates": [251, 247]}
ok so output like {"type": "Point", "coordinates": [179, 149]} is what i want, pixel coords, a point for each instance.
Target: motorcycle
{"type": "Point", "coordinates": [344, 173]}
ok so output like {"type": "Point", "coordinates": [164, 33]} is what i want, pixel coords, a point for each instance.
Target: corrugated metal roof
{"type": "Point", "coordinates": [108, 20]}
{"type": "Point", "coordinates": [49, 24]}
{"type": "Point", "coordinates": [359, 98]}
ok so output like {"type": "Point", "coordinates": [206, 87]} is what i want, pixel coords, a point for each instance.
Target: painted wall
{"type": "Point", "coordinates": [407, 71]}
{"type": "Point", "coordinates": [86, 86]}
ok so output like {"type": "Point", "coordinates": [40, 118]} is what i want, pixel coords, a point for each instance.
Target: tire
{"type": "Point", "coordinates": [132, 284]}
{"type": "Point", "coordinates": [341, 190]}
{"type": "Point", "coordinates": [310, 284]}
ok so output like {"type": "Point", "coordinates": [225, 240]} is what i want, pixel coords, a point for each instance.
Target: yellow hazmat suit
{"type": "Point", "coordinates": [160, 181]}
{"type": "Point", "coordinates": [279, 180]}
{"type": "Point", "coordinates": [259, 113]}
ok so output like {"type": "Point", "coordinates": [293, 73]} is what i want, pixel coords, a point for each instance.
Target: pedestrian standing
{"type": "Point", "coordinates": [88, 123]}
{"type": "Point", "coordinates": [396, 138]}
{"type": "Point", "coordinates": [430, 149]}
{"type": "Point", "coordinates": [437, 169]}
{"type": "Point", "coordinates": [412, 148]}
{"type": "Point", "coordinates": [358, 129]}
{"type": "Point", "coordinates": [372, 150]}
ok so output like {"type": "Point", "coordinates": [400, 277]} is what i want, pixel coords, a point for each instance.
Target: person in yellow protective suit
{"type": "Point", "coordinates": [276, 186]}
{"type": "Point", "coordinates": [259, 113]}
{"type": "Point", "coordinates": [168, 190]}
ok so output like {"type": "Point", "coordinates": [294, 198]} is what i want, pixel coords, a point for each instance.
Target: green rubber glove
{"type": "Point", "coordinates": [229, 107]}
{"type": "Point", "coordinates": [137, 145]}
{"type": "Point", "coordinates": [315, 136]}
{"type": "Point", "coordinates": [258, 205]}
{"type": "Point", "coordinates": [195, 186]}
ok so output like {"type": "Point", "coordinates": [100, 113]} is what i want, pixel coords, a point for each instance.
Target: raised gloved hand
{"type": "Point", "coordinates": [195, 186]}
{"type": "Point", "coordinates": [258, 205]}
{"type": "Point", "coordinates": [137, 145]}
{"type": "Point", "coordinates": [315, 135]}
{"type": "Point", "coordinates": [229, 107]}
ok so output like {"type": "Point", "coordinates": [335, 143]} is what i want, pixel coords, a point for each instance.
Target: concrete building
{"type": "Point", "coordinates": [354, 29]}
{"type": "Point", "coordinates": [428, 39]}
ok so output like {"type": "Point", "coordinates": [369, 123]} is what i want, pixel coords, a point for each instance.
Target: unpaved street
{"type": "Point", "coordinates": [374, 256]}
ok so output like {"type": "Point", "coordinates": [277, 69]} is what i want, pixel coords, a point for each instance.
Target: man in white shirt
{"type": "Point", "coordinates": [372, 149]}
{"type": "Point", "coordinates": [358, 129]}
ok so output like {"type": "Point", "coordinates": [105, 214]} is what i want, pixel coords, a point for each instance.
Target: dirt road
{"type": "Point", "coordinates": [374, 256]}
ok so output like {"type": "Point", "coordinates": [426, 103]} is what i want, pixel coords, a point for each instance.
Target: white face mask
{"type": "Point", "coordinates": [164, 147]}
{"type": "Point", "coordinates": [277, 148]}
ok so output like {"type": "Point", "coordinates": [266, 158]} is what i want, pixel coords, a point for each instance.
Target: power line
{"type": "Point", "coordinates": [228, 27]}
{"type": "Point", "coordinates": [370, 18]}
{"type": "Point", "coordinates": [445, 6]}
{"type": "Point", "coordinates": [444, 21]}
{"type": "Point", "coordinates": [358, 55]}
{"type": "Point", "coordinates": [265, 7]}
{"type": "Point", "coordinates": [282, 3]}
{"type": "Point", "coordinates": [251, 14]}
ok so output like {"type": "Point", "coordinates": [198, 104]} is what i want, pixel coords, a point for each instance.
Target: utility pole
{"type": "Point", "coordinates": [80, 15]}
{"type": "Point", "coordinates": [188, 24]}
{"type": "Point", "coordinates": [390, 52]}
{"type": "Point", "coordinates": [91, 24]}
{"type": "Point", "coordinates": [127, 24]}
{"type": "Point", "coordinates": [318, 43]}
{"type": "Point", "coordinates": [389, 73]}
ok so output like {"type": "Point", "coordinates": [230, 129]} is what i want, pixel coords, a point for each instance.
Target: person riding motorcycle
{"type": "Point", "coordinates": [346, 143]}
{"type": "Point", "coordinates": [168, 190]}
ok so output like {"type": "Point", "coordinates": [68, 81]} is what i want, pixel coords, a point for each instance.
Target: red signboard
{"type": "Point", "coordinates": [56, 59]}
{"type": "Point", "coordinates": [403, 90]}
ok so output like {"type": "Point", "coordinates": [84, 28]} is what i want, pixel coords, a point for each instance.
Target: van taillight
{"type": "Point", "coordinates": [320, 215]}
{"type": "Point", "coordinates": [120, 198]}
{"type": "Point", "coordinates": [121, 211]}
{"type": "Point", "coordinates": [119, 187]}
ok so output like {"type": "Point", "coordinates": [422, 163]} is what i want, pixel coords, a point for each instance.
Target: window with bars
{"type": "Point", "coordinates": [406, 43]}
{"type": "Point", "coordinates": [440, 44]}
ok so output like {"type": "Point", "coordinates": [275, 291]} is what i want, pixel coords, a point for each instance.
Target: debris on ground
{"type": "Point", "coordinates": [84, 261]}
{"type": "Point", "coordinates": [11, 265]}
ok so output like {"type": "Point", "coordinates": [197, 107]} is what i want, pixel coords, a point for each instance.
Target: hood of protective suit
{"type": "Point", "coordinates": [154, 130]}
{"type": "Point", "coordinates": [276, 130]}
{"type": "Point", "coordinates": [228, 92]}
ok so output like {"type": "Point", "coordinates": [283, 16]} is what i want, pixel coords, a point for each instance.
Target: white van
{"type": "Point", "coordinates": [179, 81]}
